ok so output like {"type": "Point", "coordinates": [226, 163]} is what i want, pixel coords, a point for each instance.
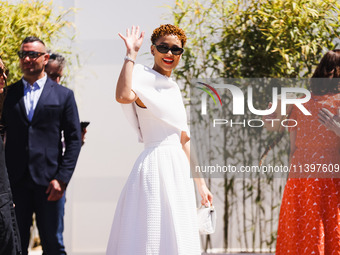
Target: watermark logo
{"type": "Point", "coordinates": [238, 101]}
{"type": "Point", "coordinates": [209, 93]}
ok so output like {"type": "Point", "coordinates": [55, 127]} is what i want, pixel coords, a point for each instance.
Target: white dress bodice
{"type": "Point", "coordinates": [154, 130]}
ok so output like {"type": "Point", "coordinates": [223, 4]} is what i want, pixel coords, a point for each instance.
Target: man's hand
{"type": "Point", "coordinates": [83, 132]}
{"type": "Point", "coordinates": [55, 190]}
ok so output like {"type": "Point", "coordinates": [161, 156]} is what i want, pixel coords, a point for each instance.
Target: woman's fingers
{"type": "Point", "coordinates": [329, 120]}
{"type": "Point", "coordinates": [142, 35]}
{"type": "Point", "coordinates": [205, 201]}
{"type": "Point", "coordinates": [327, 113]}
{"type": "Point", "coordinates": [337, 116]}
{"type": "Point", "coordinates": [204, 198]}
{"type": "Point", "coordinates": [324, 115]}
{"type": "Point", "coordinates": [133, 33]}
{"type": "Point", "coordinates": [321, 117]}
{"type": "Point", "coordinates": [122, 36]}
{"type": "Point", "coordinates": [208, 200]}
{"type": "Point", "coordinates": [207, 197]}
{"type": "Point", "coordinates": [133, 41]}
{"type": "Point", "coordinates": [211, 198]}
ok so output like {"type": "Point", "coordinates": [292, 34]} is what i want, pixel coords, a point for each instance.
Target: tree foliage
{"type": "Point", "coordinates": [252, 39]}
{"type": "Point", "coordinates": [255, 38]}
{"type": "Point", "coordinates": [30, 18]}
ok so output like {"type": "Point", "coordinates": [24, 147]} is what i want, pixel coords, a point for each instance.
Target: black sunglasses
{"type": "Point", "coordinates": [165, 49]}
{"type": "Point", "coordinates": [30, 54]}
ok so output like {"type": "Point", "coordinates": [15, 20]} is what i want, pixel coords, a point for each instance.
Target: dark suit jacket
{"type": "Point", "coordinates": [9, 232]}
{"type": "Point", "coordinates": [36, 146]}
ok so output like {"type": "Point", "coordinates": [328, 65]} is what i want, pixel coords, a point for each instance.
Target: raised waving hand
{"type": "Point", "coordinates": [133, 41]}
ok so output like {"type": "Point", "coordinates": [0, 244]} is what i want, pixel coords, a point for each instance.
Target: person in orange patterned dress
{"type": "Point", "coordinates": [309, 221]}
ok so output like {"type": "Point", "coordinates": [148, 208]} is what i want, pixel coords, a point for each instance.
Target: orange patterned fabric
{"type": "Point", "coordinates": [309, 220]}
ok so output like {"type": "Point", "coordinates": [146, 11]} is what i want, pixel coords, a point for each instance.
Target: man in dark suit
{"type": "Point", "coordinates": [36, 112]}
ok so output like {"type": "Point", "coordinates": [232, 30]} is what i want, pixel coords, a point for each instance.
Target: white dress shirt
{"type": "Point", "coordinates": [32, 94]}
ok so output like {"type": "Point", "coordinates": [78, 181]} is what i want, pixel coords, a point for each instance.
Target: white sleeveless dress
{"type": "Point", "coordinates": [156, 212]}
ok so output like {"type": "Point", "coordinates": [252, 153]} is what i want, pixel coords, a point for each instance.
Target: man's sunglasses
{"type": "Point", "coordinates": [30, 54]}
{"type": "Point", "coordinates": [165, 49]}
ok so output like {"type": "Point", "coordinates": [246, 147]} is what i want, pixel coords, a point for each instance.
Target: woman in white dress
{"type": "Point", "coordinates": [156, 212]}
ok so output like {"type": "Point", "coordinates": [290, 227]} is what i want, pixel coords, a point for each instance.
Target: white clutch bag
{"type": "Point", "coordinates": [206, 217]}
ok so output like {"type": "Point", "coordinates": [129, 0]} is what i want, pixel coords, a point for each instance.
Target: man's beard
{"type": "Point", "coordinates": [32, 72]}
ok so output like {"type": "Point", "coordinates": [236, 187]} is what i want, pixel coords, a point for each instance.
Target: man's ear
{"type": "Point", "coordinates": [46, 58]}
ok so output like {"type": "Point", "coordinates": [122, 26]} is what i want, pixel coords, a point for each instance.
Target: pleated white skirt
{"type": "Point", "coordinates": [156, 212]}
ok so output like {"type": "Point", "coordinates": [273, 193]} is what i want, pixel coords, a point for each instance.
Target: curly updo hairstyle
{"type": "Point", "coordinates": [168, 29]}
{"type": "Point", "coordinates": [328, 68]}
